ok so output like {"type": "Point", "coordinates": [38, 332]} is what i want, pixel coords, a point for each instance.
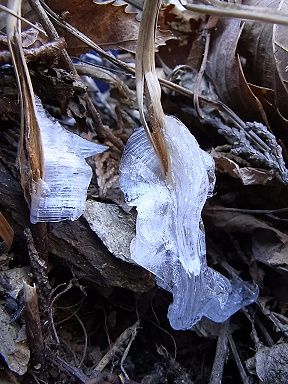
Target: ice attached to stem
{"type": "Point", "coordinates": [170, 239]}
{"type": "Point", "coordinates": [61, 194]}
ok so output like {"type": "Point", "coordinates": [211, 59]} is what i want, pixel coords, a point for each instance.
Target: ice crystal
{"type": "Point", "coordinates": [61, 194]}
{"type": "Point", "coordinates": [170, 239]}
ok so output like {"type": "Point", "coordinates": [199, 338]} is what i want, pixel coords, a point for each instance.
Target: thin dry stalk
{"type": "Point", "coordinates": [147, 81]}
{"type": "Point", "coordinates": [221, 354]}
{"type": "Point", "coordinates": [239, 11]}
{"type": "Point", "coordinates": [242, 372]}
{"type": "Point", "coordinates": [30, 148]}
{"type": "Point", "coordinates": [33, 326]}
{"type": "Point", "coordinates": [118, 346]}
{"type": "Point", "coordinates": [6, 232]}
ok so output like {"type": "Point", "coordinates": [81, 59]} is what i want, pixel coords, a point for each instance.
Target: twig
{"type": "Point", "coordinates": [39, 270]}
{"type": "Point", "coordinates": [243, 375]}
{"type": "Point", "coordinates": [6, 233]}
{"type": "Point", "coordinates": [116, 347]}
{"type": "Point", "coordinates": [102, 131]}
{"type": "Point", "coordinates": [200, 75]}
{"type": "Point", "coordinates": [33, 326]}
{"type": "Point", "coordinates": [125, 354]}
{"type": "Point", "coordinates": [65, 367]}
{"type": "Point", "coordinates": [239, 11]}
{"type": "Point", "coordinates": [50, 309]}
{"type": "Point", "coordinates": [244, 210]}
{"type": "Point", "coordinates": [221, 354]}
{"type": "Point", "coordinates": [86, 340]}
{"type": "Point", "coordinates": [40, 237]}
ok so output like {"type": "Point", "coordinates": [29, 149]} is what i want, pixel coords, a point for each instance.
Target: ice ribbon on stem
{"type": "Point", "coordinates": [170, 240]}
{"type": "Point", "coordinates": [53, 172]}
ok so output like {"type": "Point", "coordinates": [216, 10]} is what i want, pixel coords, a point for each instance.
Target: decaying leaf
{"type": "Point", "coordinates": [265, 48]}
{"type": "Point", "coordinates": [268, 244]}
{"type": "Point", "coordinates": [13, 344]}
{"type": "Point", "coordinates": [247, 175]}
{"type": "Point", "coordinates": [225, 70]}
{"type": "Point", "coordinates": [113, 226]}
{"type": "Point", "coordinates": [108, 25]}
{"type": "Point", "coordinates": [270, 364]}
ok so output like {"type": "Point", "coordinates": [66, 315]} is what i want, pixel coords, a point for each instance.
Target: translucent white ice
{"type": "Point", "coordinates": [61, 194]}
{"type": "Point", "coordinates": [170, 240]}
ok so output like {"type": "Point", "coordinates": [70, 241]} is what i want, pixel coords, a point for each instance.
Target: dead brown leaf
{"type": "Point", "coordinates": [268, 244]}
{"type": "Point", "coordinates": [225, 69]}
{"type": "Point", "coordinates": [280, 50]}
{"type": "Point", "coordinates": [265, 48]}
{"type": "Point", "coordinates": [108, 25]}
{"type": "Point", "coordinates": [270, 364]}
{"type": "Point", "coordinates": [247, 175]}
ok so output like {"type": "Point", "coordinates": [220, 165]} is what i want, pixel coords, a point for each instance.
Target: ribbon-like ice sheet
{"type": "Point", "coordinates": [170, 239]}
{"type": "Point", "coordinates": [61, 194]}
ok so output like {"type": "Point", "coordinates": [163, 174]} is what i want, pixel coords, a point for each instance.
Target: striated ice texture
{"type": "Point", "coordinates": [61, 194]}
{"type": "Point", "coordinates": [170, 240]}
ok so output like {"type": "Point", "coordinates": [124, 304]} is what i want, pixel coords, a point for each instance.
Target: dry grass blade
{"type": "Point", "coordinates": [238, 11]}
{"type": "Point", "coordinates": [12, 13]}
{"type": "Point", "coordinates": [147, 82]}
{"type": "Point", "coordinates": [30, 149]}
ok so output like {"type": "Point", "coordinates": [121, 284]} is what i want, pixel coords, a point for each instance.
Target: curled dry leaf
{"type": "Point", "coordinates": [265, 48]}
{"type": "Point", "coordinates": [247, 175]}
{"type": "Point", "coordinates": [187, 47]}
{"type": "Point", "coordinates": [268, 244]}
{"type": "Point", "coordinates": [108, 25]}
{"type": "Point", "coordinates": [225, 70]}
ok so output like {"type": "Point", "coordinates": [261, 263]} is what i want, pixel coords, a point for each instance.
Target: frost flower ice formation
{"type": "Point", "coordinates": [61, 194]}
{"type": "Point", "coordinates": [170, 239]}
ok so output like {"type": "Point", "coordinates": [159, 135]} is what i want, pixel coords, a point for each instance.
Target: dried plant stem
{"type": "Point", "coordinates": [33, 326]}
{"type": "Point", "coordinates": [6, 232]}
{"type": "Point", "coordinates": [242, 372]}
{"type": "Point", "coordinates": [163, 82]}
{"type": "Point", "coordinates": [102, 131]}
{"type": "Point", "coordinates": [221, 354]}
{"type": "Point", "coordinates": [147, 81]}
{"type": "Point", "coordinates": [239, 11]}
{"type": "Point", "coordinates": [30, 148]}
{"type": "Point", "coordinates": [200, 75]}
{"type": "Point", "coordinates": [117, 347]}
